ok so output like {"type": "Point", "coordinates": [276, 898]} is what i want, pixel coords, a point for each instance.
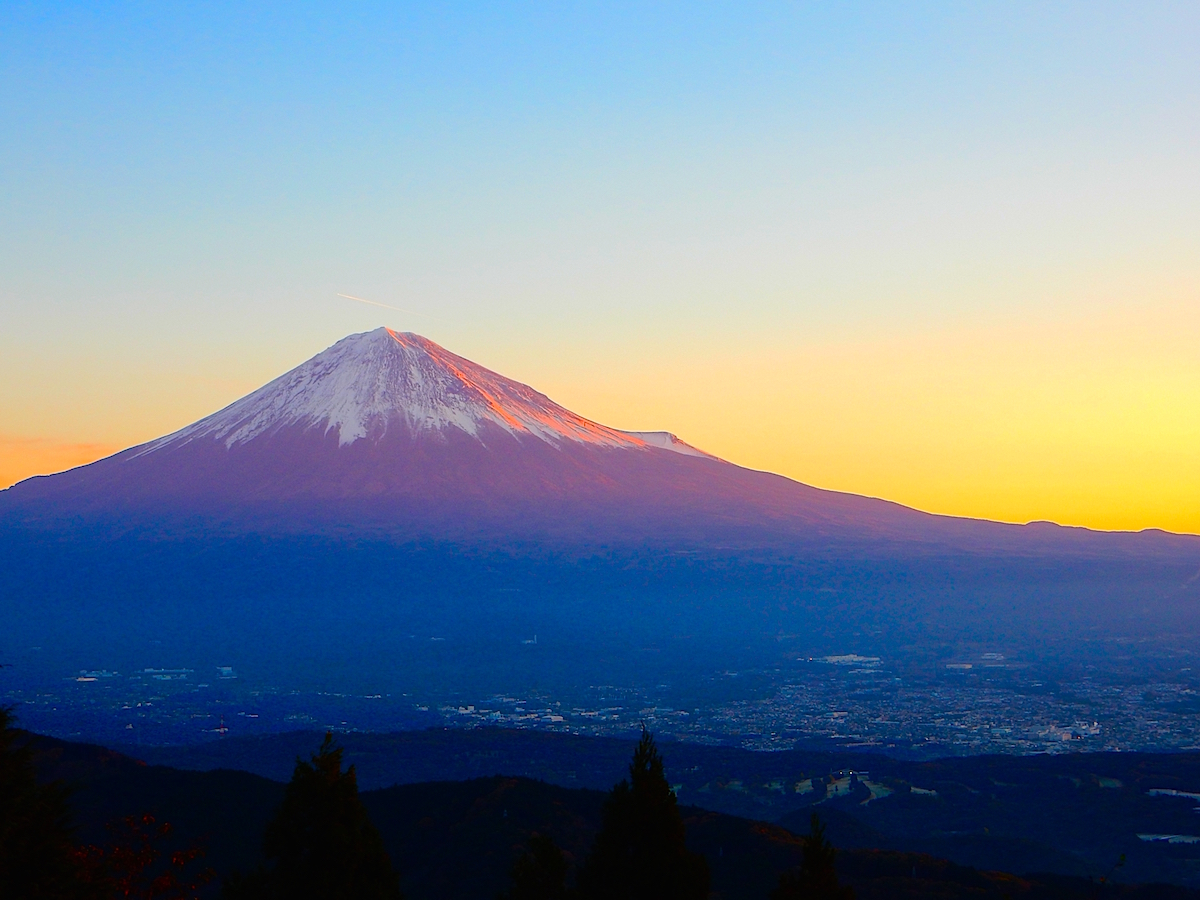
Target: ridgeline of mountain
{"type": "Point", "coordinates": [387, 433]}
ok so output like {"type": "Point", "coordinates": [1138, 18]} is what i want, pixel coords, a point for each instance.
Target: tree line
{"type": "Point", "coordinates": [321, 843]}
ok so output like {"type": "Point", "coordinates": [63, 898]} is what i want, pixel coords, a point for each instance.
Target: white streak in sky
{"type": "Point", "coordinates": [372, 302]}
{"type": "Point", "coordinates": [385, 306]}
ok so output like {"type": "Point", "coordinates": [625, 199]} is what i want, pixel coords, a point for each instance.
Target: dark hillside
{"type": "Point", "coordinates": [1074, 814]}
{"type": "Point", "coordinates": [224, 811]}
{"type": "Point", "coordinates": [459, 839]}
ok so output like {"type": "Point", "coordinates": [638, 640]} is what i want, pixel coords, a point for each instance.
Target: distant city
{"type": "Point", "coordinates": [908, 707]}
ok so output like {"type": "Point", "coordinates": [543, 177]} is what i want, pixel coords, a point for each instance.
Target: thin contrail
{"type": "Point", "coordinates": [372, 302]}
{"type": "Point", "coordinates": [408, 312]}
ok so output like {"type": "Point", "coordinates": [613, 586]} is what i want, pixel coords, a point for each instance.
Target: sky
{"type": "Point", "coordinates": [945, 254]}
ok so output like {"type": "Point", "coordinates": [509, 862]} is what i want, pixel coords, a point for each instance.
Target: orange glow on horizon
{"type": "Point", "coordinates": [24, 457]}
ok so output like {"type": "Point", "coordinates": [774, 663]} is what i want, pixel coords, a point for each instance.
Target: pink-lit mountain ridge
{"type": "Point", "coordinates": [388, 433]}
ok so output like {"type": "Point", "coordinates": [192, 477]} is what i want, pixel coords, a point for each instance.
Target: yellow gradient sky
{"type": "Point", "coordinates": [1091, 421]}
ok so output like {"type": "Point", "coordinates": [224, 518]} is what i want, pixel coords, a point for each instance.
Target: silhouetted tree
{"type": "Point", "coordinates": [322, 843]}
{"type": "Point", "coordinates": [540, 873]}
{"type": "Point", "coordinates": [816, 877]}
{"type": "Point", "coordinates": [640, 852]}
{"type": "Point", "coordinates": [37, 858]}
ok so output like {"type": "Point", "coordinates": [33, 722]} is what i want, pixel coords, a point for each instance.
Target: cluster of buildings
{"type": "Point", "coordinates": [914, 709]}
{"type": "Point", "coordinates": [854, 702]}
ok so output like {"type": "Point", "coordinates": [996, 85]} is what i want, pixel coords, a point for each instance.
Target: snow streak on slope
{"type": "Point", "coordinates": [369, 383]}
{"type": "Point", "coordinates": [664, 440]}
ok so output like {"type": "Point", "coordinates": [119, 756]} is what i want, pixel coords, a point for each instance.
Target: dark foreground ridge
{"type": "Point", "coordinates": [1073, 814]}
{"type": "Point", "coordinates": [455, 839]}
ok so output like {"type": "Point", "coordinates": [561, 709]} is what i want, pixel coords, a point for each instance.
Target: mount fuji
{"type": "Point", "coordinates": [384, 431]}
{"type": "Point", "coordinates": [388, 434]}
{"type": "Point", "coordinates": [387, 491]}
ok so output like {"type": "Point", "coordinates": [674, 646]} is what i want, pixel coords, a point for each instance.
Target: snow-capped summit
{"type": "Point", "coordinates": [389, 426]}
{"type": "Point", "coordinates": [383, 381]}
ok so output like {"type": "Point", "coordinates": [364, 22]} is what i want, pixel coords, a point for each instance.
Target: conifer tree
{"type": "Point", "coordinates": [322, 843]}
{"type": "Point", "coordinates": [816, 877]}
{"type": "Point", "coordinates": [640, 852]}
{"type": "Point", "coordinates": [37, 859]}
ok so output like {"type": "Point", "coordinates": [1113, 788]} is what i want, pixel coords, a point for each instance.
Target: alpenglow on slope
{"type": "Point", "coordinates": [369, 384]}
{"type": "Point", "coordinates": [388, 433]}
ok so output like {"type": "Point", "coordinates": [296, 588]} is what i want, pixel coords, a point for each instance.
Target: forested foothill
{"type": "Point", "coordinates": [1071, 814]}
{"type": "Point", "coordinates": [84, 821]}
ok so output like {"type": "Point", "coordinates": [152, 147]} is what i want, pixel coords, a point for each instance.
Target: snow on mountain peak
{"type": "Point", "coordinates": [368, 383]}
